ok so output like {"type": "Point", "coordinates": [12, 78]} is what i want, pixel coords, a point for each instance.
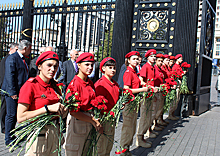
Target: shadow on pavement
{"type": "Point", "coordinates": [161, 138]}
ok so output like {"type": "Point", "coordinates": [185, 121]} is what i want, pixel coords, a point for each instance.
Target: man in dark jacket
{"type": "Point", "coordinates": [13, 49]}
{"type": "Point", "coordinates": [70, 68]}
{"type": "Point", "coordinates": [16, 74]}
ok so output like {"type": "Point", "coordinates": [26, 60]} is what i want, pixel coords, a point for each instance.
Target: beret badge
{"type": "Point", "coordinates": [43, 96]}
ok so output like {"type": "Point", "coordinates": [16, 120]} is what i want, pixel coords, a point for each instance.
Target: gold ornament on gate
{"type": "Point", "coordinates": [153, 25]}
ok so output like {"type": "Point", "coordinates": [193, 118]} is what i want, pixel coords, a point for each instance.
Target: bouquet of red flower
{"type": "Point", "coordinates": [71, 100]}
{"type": "Point", "coordinates": [170, 83]}
{"type": "Point", "coordinates": [176, 75]}
{"type": "Point", "coordinates": [126, 97]}
{"type": "Point", "coordinates": [98, 106]}
{"type": "Point", "coordinates": [184, 88]}
{"type": "Point", "coordinates": [185, 65]}
{"type": "Point", "coordinates": [164, 89]}
{"type": "Point", "coordinates": [171, 96]}
{"type": "Point", "coordinates": [150, 94]}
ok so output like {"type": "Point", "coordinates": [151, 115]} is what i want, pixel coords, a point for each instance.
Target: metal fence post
{"type": "Point", "coordinates": [27, 20]}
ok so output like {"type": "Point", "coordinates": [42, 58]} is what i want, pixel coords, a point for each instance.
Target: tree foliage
{"type": "Point", "coordinates": [106, 51]}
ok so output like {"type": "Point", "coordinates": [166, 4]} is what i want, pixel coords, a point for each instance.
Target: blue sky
{"type": "Point", "coordinates": [10, 1]}
{"type": "Point", "coordinates": [14, 1]}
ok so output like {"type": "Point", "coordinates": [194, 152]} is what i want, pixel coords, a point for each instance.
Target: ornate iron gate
{"type": "Point", "coordinates": [204, 64]}
{"type": "Point", "coordinates": [154, 25]}
{"type": "Point", "coordinates": [84, 25]}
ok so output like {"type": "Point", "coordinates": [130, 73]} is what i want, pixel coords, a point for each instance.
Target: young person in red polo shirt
{"type": "Point", "coordinates": [176, 67]}
{"type": "Point", "coordinates": [80, 123]}
{"type": "Point", "coordinates": [165, 66]}
{"type": "Point", "coordinates": [108, 88]}
{"type": "Point", "coordinates": [159, 99]}
{"type": "Point", "coordinates": [132, 82]}
{"type": "Point", "coordinates": [147, 75]}
{"type": "Point", "coordinates": [171, 62]}
{"type": "Point", "coordinates": [38, 96]}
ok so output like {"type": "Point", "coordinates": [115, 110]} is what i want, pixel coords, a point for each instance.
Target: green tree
{"type": "Point", "coordinates": [106, 51]}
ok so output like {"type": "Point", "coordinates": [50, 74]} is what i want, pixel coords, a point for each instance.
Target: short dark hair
{"type": "Point", "coordinates": [110, 63]}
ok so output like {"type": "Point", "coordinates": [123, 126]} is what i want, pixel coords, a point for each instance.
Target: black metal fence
{"type": "Point", "coordinates": [85, 25]}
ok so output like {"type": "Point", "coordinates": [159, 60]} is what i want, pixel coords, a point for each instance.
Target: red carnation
{"type": "Point", "coordinates": [60, 84]}
{"type": "Point", "coordinates": [94, 103]}
{"type": "Point", "coordinates": [112, 114]}
{"type": "Point", "coordinates": [124, 150]}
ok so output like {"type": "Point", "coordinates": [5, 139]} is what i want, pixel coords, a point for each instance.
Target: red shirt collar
{"type": "Point", "coordinates": [82, 81]}
{"type": "Point", "coordinates": [148, 64]}
{"type": "Point", "coordinates": [158, 68]}
{"type": "Point", "coordinates": [41, 82]}
{"type": "Point", "coordinates": [109, 82]}
{"type": "Point", "coordinates": [131, 69]}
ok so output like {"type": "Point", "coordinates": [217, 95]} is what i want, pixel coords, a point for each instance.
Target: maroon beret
{"type": "Point", "coordinates": [85, 57]}
{"type": "Point", "coordinates": [132, 53]}
{"type": "Point", "coordinates": [104, 61]}
{"type": "Point", "coordinates": [150, 52]}
{"type": "Point", "coordinates": [172, 57]}
{"type": "Point", "coordinates": [166, 56]}
{"type": "Point", "coordinates": [178, 56]}
{"type": "Point", "coordinates": [160, 56]}
{"type": "Point", "coordinates": [48, 55]}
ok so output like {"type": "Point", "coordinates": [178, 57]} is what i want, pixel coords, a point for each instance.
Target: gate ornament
{"type": "Point", "coordinates": [153, 25]}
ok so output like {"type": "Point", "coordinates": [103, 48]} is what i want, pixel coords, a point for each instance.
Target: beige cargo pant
{"type": "Point", "coordinates": [155, 108]}
{"type": "Point", "coordinates": [174, 105]}
{"type": "Point", "coordinates": [76, 135]}
{"type": "Point", "coordinates": [146, 117]}
{"type": "Point", "coordinates": [104, 145]}
{"type": "Point", "coordinates": [128, 127]}
{"type": "Point", "coordinates": [46, 143]}
{"type": "Point", "coordinates": [160, 107]}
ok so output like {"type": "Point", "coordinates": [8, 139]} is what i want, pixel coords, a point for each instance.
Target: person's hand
{"type": "Point", "coordinates": [97, 125]}
{"type": "Point", "coordinates": [57, 107]}
{"type": "Point", "coordinates": [145, 89]}
{"type": "Point", "coordinates": [143, 83]}
{"type": "Point", "coordinates": [15, 97]}
{"type": "Point", "coordinates": [155, 89]}
{"type": "Point", "coordinates": [65, 112]}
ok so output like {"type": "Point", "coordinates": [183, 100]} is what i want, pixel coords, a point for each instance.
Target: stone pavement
{"type": "Point", "coordinates": [195, 135]}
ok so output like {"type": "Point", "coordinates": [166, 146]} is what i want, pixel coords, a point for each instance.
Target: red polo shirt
{"type": "Point", "coordinates": [109, 90]}
{"type": "Point", "coordinates": [166, 71]}
{"type": "Point", "coordinates": [86, 91]}
{"type": "Point", "coordinates": [37, 93]}
{"type": "Point", "coordinates": [131, 78]}
{"type": "Point", "coordinates": [177, 67]}
{"type": "Point", "coordinates": [148, 73]}
{"type": "Point", "coordinates": [169, 68]}
{"type": "Point", "coordinates": [159, 76]}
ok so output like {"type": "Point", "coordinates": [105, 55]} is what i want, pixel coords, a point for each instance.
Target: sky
{"type": "Point", "coordinates": [10, 1]}
{"type": "Point", "coordinates": [14, 1]}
